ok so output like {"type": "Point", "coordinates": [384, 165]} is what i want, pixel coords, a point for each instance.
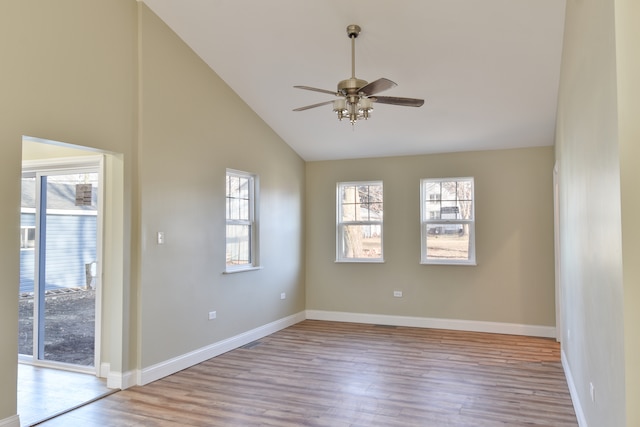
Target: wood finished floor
{"type": "Point", "coordinates": [318, 373]}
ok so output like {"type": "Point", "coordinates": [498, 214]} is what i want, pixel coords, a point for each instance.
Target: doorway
{"type": "Point", "coordinates": [59, 280]}
{"type": "Point", "coordinates": [61, 286]}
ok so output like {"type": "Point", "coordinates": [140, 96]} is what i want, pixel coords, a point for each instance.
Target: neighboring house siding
{"type": "Point", "coordinates": [27, 256]}
{"type": "Point", "coordinates": [71, 243]}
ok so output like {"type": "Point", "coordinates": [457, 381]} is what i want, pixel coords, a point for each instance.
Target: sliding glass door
{"type": "Point", "coordinates": [59, 266]}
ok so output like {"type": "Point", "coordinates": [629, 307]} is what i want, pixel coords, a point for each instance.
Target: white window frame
{"type": "Point", "coordinates": [252, 222]}
{"type": "Point", "coordinates": [340, 225]}
{"type": "Point", "coordinates": [426, 220]}
{"type": "Point", "coordinates": [27, 244]}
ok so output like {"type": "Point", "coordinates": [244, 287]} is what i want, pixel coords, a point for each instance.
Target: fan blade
{"type": "Point", "coordinates": [394, 100]}
{"type": "Point", "coordinates": [315, 89]}
{"type": "Point", "coordinates": [377, 86]}
{"type": "Point", "coordinates": [313, 106]}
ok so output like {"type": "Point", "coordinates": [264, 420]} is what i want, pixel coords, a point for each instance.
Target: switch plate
{"type": "Point", "coordinates": [397, 294]}
{"type": "Point", "coordinates": [283, 295]}
{"type": "Point", "coordinates": [160, 238]}
{"type": "Point", "coordinates": [212, 315]}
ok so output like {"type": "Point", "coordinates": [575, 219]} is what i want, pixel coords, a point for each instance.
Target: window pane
{"type": "Point", "coordinates": [448, 242]}
{"type": "Point", "coordinates": [361, 241]}
{"type": "Point", "coordinates": [449, 210]}
{"type": "Point", "coordinates": [374, 194]}
{"type": "Point", "coordinates": [464, 190]}
{"type": "Point", "coordinates": [232, 186]}
{"type": "Point", "coordinates": [432, 191]}
{"type": "Point", "coordinates": [449, 190]}
{"type": "Point", "coordinates": [238, 194]}
{"type": "Point", "coordinates": [243, 190]}
{"type": "Point", "coordinates": [350, 207]}
{"type": "Point", "coordinates": [466, 209]}
{"type": "Point", "coordinates": [239, 209]}
{"type": "Point", "coordinates": [432, 210]}
{"type": "Point", "coordinates": [238, 244]}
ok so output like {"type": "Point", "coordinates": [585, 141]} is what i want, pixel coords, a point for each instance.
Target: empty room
{"type": "Point", "coordinates": [329, 213]}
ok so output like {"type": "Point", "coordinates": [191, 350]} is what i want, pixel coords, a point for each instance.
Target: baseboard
{"type": "Point", "coordinates": [163, 369]}
{"type": "Point", "coordinates": [115, 379]}
{"type": "Point", "coordinates": [105, 369]}
{"type": "Point", "coordinates": [12, 421]}
{"type": "Point", "coordinates": [573, 391]}
{"type": "Point", "coordinates": [425, 322]}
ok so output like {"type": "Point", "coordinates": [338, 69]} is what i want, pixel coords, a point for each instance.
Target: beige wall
{"type": "Point", "coordinates": [110, 76]}
{"type": "Point", "coordinates": [193, 128]}
{"type": "Point", "coordinates": [513, 281]}
{"type": "Point", "coordinates": [68, 74]}
{"type": "Point", "coordinates": [596, 148]}
{"type": "Point", "coordinates": [627, 17]}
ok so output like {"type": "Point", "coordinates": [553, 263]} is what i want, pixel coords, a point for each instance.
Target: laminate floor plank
{"type": "Point", "coordinates": [319, 373]}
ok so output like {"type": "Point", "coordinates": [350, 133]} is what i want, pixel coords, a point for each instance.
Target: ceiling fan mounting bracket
{"type": "Point", "coordinates": [353, 31]}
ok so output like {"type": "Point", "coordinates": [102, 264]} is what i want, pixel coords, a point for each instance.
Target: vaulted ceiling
{"type": "Point", "coordinates": [488, 70]}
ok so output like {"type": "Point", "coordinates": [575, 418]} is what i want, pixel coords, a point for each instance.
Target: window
{"type": "Point", "coordinates": [27, 237]}
{"type": "Point", "coordinates": [241, 214]}
{"type": "Point", "coordinates": [447, 221]}
{"type": "Point", "coordinates": [359, 222]}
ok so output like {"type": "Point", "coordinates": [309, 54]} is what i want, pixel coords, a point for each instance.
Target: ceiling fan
{"type": "Point", "coordinates": [356, 96]}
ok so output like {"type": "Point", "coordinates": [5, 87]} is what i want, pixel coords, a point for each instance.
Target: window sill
{"type": "Point", "coordinates": [359, 261]}
{"type": "Point", "coordinates": [464, 264]}
{"type": "Point", "coordinates": [242, 270]}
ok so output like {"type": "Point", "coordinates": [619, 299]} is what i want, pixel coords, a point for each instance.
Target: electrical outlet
{"type": "Point", "coordinates": [212, 315]}
{"type": "Point", "coordinates": [397, 294]}
{"type": "Point", "coordinates": [283, 295]}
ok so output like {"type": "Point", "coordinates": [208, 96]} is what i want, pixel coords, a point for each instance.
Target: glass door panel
{"type": "Point", "coordinates": [63, 282]}
{"type": "Point", "coordinates": [27, 265]}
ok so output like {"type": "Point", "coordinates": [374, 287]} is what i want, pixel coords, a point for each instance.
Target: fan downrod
{"type": "Point", "coordinates": [350, 87]}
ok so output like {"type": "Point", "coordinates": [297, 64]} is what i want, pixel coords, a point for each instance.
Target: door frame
{"type": "Point", "coordinates": [57, 166]}
{"type": "Point", "coordinates": [556, 247]}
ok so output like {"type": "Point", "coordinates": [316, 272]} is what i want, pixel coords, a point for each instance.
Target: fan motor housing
{"type": "Point", "coordinates": [351, 86]}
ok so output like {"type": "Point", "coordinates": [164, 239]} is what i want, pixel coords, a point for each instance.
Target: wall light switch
{"type": "Point", "coordinates": [212, 315]}
{"type": "Point", "coordinates": [397, 294]}
{"type": "Point", "coordinates": [160, 238]}
{"type": "Point", "coordinates": [283, 295]}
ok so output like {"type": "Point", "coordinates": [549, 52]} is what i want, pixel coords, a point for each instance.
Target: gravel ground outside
{"type": "Point", "coordinates": [69, 326]}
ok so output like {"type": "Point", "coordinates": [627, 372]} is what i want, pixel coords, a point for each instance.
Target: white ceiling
{"type": "Point", "coordinates": [487, 69]}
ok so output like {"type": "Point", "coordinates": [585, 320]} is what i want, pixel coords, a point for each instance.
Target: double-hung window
{"type": "Point", "coordinates": [241, 217]}
{"type": "Point", "coordinates": [447, 221]}
{"type": "Point", "coordinates": [359, 222]}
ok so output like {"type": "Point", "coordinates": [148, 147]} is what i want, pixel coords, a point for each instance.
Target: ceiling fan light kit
{"type": "Point", "coordinates": [355, 96]}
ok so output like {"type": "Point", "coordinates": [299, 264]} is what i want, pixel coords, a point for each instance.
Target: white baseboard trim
{"type": "Point", "coordinates": [117, 379]}
{"type": "Point", "coordinates": [168, 367]}
{"type": "Point", "coordinates": [12, 421]}
{"type": "Point", "coordinates": [425, 322]}
{"type": "Point", "coordinates": [573, 391]}
{"type": "Point", "coordinates": [105, 369]}
{"type": "Point", "coordinates": [122, 380]}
